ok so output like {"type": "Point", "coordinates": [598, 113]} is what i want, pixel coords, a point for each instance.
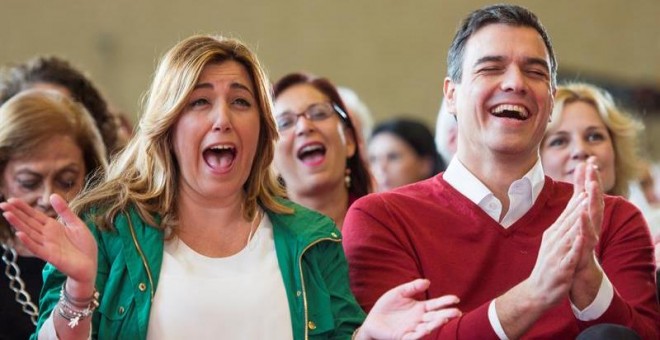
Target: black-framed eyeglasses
{"type": "Point", "coordinates": [315, 113]}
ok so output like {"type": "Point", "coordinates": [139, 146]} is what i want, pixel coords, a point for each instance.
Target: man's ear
{"type": "Point", "coordinates": [450, 95]}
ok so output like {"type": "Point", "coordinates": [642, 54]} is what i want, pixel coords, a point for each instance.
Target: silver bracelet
{"type": "Point", "coordinates": [74, 310]}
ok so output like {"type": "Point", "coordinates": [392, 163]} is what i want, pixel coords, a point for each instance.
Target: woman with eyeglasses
{"type": "Point", "coordinates": [317, 155]}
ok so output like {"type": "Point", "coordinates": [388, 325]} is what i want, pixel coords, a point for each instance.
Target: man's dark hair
{"type": "Point", "coordinates": [496, 14]}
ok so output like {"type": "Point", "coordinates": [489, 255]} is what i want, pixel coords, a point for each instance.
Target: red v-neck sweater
{"type": "Point", "coordinates": [429, 230]}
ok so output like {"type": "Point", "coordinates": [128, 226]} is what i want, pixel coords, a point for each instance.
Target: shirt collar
{"type": "Point", "coordinates": [459, 177]}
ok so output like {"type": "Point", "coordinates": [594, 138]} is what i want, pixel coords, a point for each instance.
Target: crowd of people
{"type": "Point", "coordinates": [238, 209]}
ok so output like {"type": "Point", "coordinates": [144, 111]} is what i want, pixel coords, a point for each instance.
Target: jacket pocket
{"type": "Point", "coordinates": [320, 323]}
{"type": "Point", "coordinates": [116, 308]}
{"type": "Point", "coordinates": [117, 316]}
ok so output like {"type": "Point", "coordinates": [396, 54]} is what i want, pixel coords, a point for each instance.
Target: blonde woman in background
{"type": "Point", "coordinates": [586, 122]}
{"type": "Point", "coordinates": [48, 145]}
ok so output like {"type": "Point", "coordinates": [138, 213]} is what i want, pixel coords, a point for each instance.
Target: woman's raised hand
{"type": "Point", "coordinates": [69, 246]}
{"type": "Point", "coordinates": [397, 315]}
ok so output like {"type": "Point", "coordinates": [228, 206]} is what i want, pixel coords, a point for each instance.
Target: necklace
{"type": "Point", "coordinates": [16, 283]}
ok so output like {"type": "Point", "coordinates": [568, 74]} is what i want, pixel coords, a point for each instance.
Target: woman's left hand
{"type": "Point", "coordinates": [397, 315]}
{"type": "Point", "coordinates": [67, 244]}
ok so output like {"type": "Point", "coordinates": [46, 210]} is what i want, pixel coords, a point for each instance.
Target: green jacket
{"type": "Point", "coordinates": [309, 253]}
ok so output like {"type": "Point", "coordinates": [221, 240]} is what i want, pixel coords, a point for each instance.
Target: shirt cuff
{"type": "Point", "coordinates": [495, 321]}
{"type": "Point", "coordinates": [600, 304]}
{"type": "Point", "coordinates": [47, 330]}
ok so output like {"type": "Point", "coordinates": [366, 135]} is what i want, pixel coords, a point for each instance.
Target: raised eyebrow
{"type": "Point", "coordinates": [239, 86]}
{"type": "Point", "coordinates": [234, 85]}
{"type": "Point", "coordinates": [203, 86]}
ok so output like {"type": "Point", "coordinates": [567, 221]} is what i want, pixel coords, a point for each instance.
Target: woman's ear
{"type": "Point", "coordinates": [351, 143]}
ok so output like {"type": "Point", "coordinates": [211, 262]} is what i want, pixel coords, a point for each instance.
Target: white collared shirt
{"type": "Point", "coordinates": [522, 195]}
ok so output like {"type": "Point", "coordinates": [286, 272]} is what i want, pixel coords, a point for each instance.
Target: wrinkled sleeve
{"type": "Point", "coordinates": [626, 255]}
{"type": "Point", "coordinates": [333, 268]}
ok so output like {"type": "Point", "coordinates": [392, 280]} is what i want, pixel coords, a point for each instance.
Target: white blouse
{"type": "Point", "coordinates": [237, 297]}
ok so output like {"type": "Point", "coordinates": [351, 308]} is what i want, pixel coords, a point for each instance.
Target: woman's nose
{"type": "Point", "coordinates": [43, 201]}
{"type": "Point", "coordinates": [303, 125]}
{"type": "Point", "coordinates": [580, 151]}
{"type": "Point", "coordinates": [221, 118]}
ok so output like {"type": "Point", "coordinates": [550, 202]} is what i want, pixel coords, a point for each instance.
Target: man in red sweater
{"type": "Point", "coordinates": [528, 257]}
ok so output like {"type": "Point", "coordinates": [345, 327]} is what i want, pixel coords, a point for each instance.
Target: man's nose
{"type": "Point", "coordinates": [514, 80]}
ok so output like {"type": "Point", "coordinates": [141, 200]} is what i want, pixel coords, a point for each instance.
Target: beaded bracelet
{"type": "Point", "coordinates": [74, 310]}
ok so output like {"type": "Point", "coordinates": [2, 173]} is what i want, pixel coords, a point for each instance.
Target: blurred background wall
{"type": "Point", "coordinates": [391, 52]}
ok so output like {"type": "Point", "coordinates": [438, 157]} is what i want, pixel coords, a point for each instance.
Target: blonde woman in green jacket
{"type": "Point", "coordinates": [188, 236]}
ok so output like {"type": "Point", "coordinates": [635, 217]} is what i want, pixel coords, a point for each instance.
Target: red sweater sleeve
{"type": "Point", "coordinates": [625, 252]}
{"type": "Point", "coordinates": [381, 257]}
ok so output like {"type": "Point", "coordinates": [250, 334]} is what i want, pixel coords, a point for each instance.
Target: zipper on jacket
{"type": "Point", "coordinates": [302, 279]}
{"type": "Point", "coordinates": [144, 260]}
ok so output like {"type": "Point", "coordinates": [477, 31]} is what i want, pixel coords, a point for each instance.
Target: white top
{"type": "Point", "coordinates": [522, 195]}
{"type": "Point", "coordinates": [237, 297]}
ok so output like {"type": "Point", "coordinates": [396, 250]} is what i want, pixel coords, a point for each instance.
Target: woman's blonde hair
{"type": "Point", "coordinates": [145, 174]}
{"type": "Point", "coordinates": [31, 118]}
{"type": "Point", "coordinates": [623, 128]}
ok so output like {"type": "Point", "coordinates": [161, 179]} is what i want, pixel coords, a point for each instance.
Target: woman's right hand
{"type": "Point", "coordinates": [69, 246]}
